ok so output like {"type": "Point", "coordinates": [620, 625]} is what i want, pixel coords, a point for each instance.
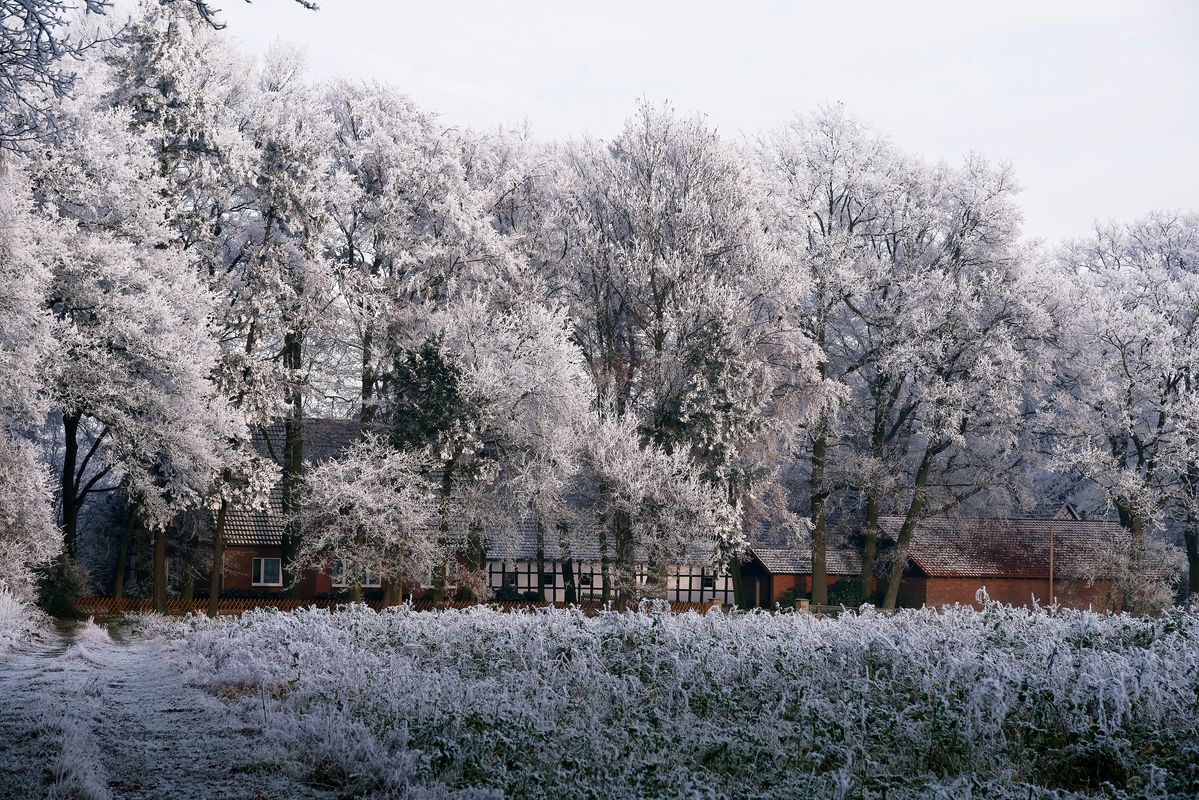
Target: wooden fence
{"type": "Point", "coordinates": [109, 608]}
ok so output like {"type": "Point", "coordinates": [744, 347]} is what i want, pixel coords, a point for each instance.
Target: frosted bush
{"type": "Point", "coordinates": [1005, 702]}
{"type": "Point", "coordinates": [19, 620]}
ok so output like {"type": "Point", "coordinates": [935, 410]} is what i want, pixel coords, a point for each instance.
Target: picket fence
{"type": "Point", "coordinates": [110, 608]}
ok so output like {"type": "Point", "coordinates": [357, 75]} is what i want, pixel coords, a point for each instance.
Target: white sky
{"type": "Point", "coordinates": [1096, 104]}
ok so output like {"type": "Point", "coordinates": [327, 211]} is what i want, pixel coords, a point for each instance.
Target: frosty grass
{"type": "Point", "coordinates": [479, 703]}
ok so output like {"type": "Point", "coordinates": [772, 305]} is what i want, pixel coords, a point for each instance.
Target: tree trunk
{"type": "Point", "coordinates": [626, 568]}
{"type": "Point", "coordinates": [819, 494]}
{"type": "Point", "coordinates": [476, 549]}
{"type": "Point", "coordinates": [356, 592]}
{"type": "Point", "coordinates": [870, 545]}
{"type": "Point", "coordinates": [218, 561]}
{"type": "Point", "coordinates": [160, 571]}
{"type": "Point", "coordinates": [393, 592]}
{"type": "Point", "coordinates": [443, 534]}
{"type": "Point", "coordinates": [189, 587]}
{"type": "Point", "coordinates": [605, 570]}
{"type": "Point", "coordinates": [367, 413]}
{"type": "Point", "coordinates": [540, 561]}
{"type": "Point", "coordinates": [293, 458]}
{"type": "Point", "coordinates": [568, 578]}
{"type": "Point", "coordinates": [738, 583]}
{"type": "Point", "coordinates": [118, 575]}
{"type": "Point", "coordinates": [1191, 536]}
{"type": "Point", "coordinates": [1136, 557]}
{"type": "Point", "coordinates": [70, 500]}
{"type": "Point", "coordinates": [910, 520]}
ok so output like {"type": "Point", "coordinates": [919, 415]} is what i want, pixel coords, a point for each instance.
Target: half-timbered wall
{"type": "Point", "coordinates": [683, 584]}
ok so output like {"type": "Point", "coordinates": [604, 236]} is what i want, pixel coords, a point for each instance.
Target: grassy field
{"type": "Point", "coordinates": [1000, 703]}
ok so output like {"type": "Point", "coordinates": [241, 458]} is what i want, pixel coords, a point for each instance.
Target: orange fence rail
{"type": "Point", "coordinates": [108, 607]}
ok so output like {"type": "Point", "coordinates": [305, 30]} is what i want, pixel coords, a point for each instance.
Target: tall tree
{"type": "Point", "coordinates": [673, 284]}
{"type": "Point", "coordinates": [190, 95]}
{"type": "Point", "coordinates": [131, 344]}
{"type": "Point", "coordinates": [1126, 416]}
{"type": "Point", "coordinates": [28, 536]}
{"type": "Point", "coordinates": [831, 177]}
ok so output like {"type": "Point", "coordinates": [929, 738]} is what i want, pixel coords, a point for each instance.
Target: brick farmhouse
{"type": "Point", "coordinates": [950, 558]}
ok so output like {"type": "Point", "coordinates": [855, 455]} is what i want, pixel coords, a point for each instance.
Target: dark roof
{"type": "Point", "coordinates": [1015, 548]}
{"type": "Point", "coordinates": [245, 528]}
{"type": "Point", "coordinates": [784, 546]}
{"type": "Point", "coordinates": [798, 560]}
{"type": "Point", "coordinates": [323, 439]}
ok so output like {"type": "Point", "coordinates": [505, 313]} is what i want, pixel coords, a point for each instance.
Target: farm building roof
{"type": "Point", "coordinates": [1015, 548]}
{"type": "Point", "coordinates": [323, 439]}
{"type": "Point", "coordinates": [798, 560]}
{"type": "Point", "coordinates": [783, 545]}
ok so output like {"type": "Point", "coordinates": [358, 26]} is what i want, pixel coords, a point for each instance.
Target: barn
{"type": "Point", "coordinates": [1049, 559]}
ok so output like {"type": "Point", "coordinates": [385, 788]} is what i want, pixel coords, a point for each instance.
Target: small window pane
{"type": "Point", "coordinates": [547, 579]}
{"type": "Point", "coordinates": [271, 569]}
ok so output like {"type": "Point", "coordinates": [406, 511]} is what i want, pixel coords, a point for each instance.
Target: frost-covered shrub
{"type": "Point", "coordinates": [19, 620]}
{"type": "Point", "coordinates": [1004, 702]}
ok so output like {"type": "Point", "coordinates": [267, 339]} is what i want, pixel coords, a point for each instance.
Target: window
{"type": "Point", "coordinates": [267, 572]}
{"type": "Point", "coordinates": [338, 578]}
{"type": "Point", "coordinates": [547, 579]}
{"type": "Point", "coordinates": [709, 581]}
{"type": "Point", "coordinates": [510, 580]}
{"type": "Point", "coordinates": [585, 579]}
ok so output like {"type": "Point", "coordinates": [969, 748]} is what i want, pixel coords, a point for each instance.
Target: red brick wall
{"type": "Point", "coordinates": [937, 592]}
{"type": "Point", "coordinates": [239, 563]}
{"type": "Point", "coordinates": [780, 585]}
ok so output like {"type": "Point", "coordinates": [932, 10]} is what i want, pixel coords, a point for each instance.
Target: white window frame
{"type": "Point", "coordinates": [367, 582]}
{"type": "Point", "coordinates": [257, 572]}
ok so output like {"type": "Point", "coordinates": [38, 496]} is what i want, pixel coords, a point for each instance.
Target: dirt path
{"type": "Point", "coordinates": [84, 716]}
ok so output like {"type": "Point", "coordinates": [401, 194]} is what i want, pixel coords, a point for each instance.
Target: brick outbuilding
{"type": "Point", "coordinates": [951, 559]}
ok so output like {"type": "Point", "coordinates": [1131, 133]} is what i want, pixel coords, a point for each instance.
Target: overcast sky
{"type": "Point", "coordinates": [1096, 104]}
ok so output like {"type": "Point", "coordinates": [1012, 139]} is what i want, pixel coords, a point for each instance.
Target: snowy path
{"type": "Point", "coordinates": [84, 716]}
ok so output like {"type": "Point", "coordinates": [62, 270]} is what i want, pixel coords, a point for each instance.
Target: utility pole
{"type": "Point", "coordinates": [1052, 599]}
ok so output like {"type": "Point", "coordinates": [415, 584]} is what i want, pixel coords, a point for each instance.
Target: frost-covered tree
{"type": "Point", "coordinates": [29, 537]}
{"type": "Point", "coordinates": [40, 50]}
{"type": "Point", "coordinates": [371, 511]}
{"type": "Point", "coordinates": [681, 307]}
{"type": "Point", "coordinates": [127, 371]}
{"type": "Point", "coordinates": [954, 323]}
{"type": "Point", "coordinates": [831, 178]}
{"type": "Point", "coordinates": [410, 234]}
{"type": "Point", "coordinates": [283, 275]}
{"type": "Point", "coordinates": [496, 399]}
{"type": "Point", "coordinates": [189, 94]}
{"type": "Point", "coordinates": [650, 504]}
{"type": "Point", "coordinates": [926, 319]}
{"type": "Point", "coordinates": [1126, 408]}
{"type": "Point", "coordinates": [926, 316]}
